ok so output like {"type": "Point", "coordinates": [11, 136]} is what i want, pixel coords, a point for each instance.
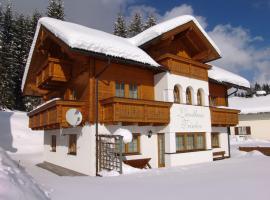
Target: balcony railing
{"type": "Point", "coordinates": [126, 110]}
{"type": "Point", "coordinates": [54, 72]}
{"type": "Point", "coordinates": [184, 67]}
{"type": "Point", "coordinates": [224, 117]}
{"type": "Point", "coordinates": [52, 115]}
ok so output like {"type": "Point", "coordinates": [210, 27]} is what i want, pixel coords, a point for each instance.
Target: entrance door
{"type": "Point", "coordinates": [161, 150]}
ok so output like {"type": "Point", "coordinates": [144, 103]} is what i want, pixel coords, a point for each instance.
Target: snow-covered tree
{"type": "Point", "coordinates": [31, 102]}
{"type": "Point", "coordinates": [56, 9]}
{"type": "Point", "coordinates": [136, 25]}
{"type": "Point", "coordinates": [7, 75]}
{"type": "Point", "coordinates": [150, 21]}
{"type": "Point", "coordinates": [120, 27]}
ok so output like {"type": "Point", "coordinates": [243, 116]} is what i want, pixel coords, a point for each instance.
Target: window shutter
{"type": "Point", "coordinates": [248, 130]}
{"type": "Point", "coordinates": [236, 131]}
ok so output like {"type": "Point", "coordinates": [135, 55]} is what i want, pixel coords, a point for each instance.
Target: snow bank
{"type": "Point", "coordinates": [126, 170]}
{"type": "Point", "coordinates": [15, 183]}
{"type": "Point", "coordinates": [166, 26]}
{"type": "Point", "coordinates": [222, 75]}
{"type": "Point", "coordinates": [16, 137]}
{"type": "Point", "coordinates": [252, 105]}
{"type": "Point", "coordinates": [80, 37]}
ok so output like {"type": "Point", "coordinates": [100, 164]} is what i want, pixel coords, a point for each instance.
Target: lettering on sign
{"type": "Point", "coordinates": [191, 118]}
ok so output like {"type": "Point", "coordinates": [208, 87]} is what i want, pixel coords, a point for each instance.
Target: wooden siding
{"type": "Point", "coordinates": [53, 73]}
{"type": "Point", "coordinates": [135, 111]}
{"type": "Point", "coordinates": [53, 114]}
{"type": "Point", "coordinates": [224, 117]}
{"type": "Point", "coordinates": [184, 67]}
{"type": "Point", "coordinates": [218, 94]}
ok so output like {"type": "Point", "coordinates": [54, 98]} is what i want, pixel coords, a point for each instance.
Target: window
{"type": "Point", "coordinates": [200, 98]}
{"type": "Point", "coordinates": [133, 147]}
{"type": "Point", "coordinates": [186, 142]}
{"type": "Point", "coordinates": [133, 91]}
{"type": "Point", "coordinates": [188, 96]}
{"type": "Point", "coordinates": [212, 101]}
{"type": "Point", "coordinates": [176, 94]}
{"type": "Point", "coordinates": [53, 143]}
{"type": "Point", "coordinates": [242, 130]}
{"type": "Point", "coordinates": [120, 89]}
{"type": "Point", "coordinates": [215, 140]}
{"type": "Point", "coordinates": [72, 146]}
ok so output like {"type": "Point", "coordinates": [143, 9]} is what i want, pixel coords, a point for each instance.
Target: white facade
{"type": "Point", "coordinates": [259, 124]}
{"type": "Point", "coordinates": [183, 119]}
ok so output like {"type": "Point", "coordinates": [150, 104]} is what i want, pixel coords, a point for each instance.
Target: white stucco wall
{"type": "Point", "coordinates": [259, 124]}
{"type": "Point", "coordinates": [223, 139]}
{"type": "Point", "coordinates": [84, 161]}
{"type": "Point", "coordinates": [179, 159]}
{"type": "Point", "coordinates": [165, 82]}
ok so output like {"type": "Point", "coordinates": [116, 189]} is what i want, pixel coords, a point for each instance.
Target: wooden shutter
{"type": "Point", "coordinates": [236, 131]}
{"type": "Point", "coordinates": [248, 130]}
{"type": "Point", "coordinates": [53, 144]}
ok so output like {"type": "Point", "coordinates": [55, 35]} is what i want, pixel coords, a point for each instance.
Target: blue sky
{"type": "Point", "coordinates": [250, 14]}
{"type": "Point", "coordinates": [240, 28]}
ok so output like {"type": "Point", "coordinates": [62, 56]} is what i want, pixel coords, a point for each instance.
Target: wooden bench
{"type": "Point", "coordinates": [139, 163]}
{"type": "Point", "coordinates": [219, 155]}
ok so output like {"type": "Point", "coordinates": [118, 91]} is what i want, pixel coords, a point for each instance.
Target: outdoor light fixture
{"type": "Point", "coordinates": [150, 133]}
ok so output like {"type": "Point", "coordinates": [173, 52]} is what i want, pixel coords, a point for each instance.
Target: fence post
{"type": "Point", "coordinates": [120, 154]}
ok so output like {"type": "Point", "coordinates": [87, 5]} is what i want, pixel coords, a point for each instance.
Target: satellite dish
{"type": "Point", "coordinates": [74, 117]}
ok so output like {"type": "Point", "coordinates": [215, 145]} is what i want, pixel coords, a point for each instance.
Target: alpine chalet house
{"type": "Point", "coordinates": [154, 86]}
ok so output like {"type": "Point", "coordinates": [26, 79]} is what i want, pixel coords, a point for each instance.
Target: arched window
{"type": "Point", "coordinates": [176, 94]}
{"type": "Point", "coordinates": [188, 96]}
{"type": "Point", "coordinates": [200, 97]}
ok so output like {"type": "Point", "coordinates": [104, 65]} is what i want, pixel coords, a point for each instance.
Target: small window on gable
{"type": "Point", "coordinates": [188, 96]}
{"type": "Point", "coordinates": [119, 89]}
{"type": "Point", "coordinates": [133, 91]}
{"type": "Point", "coordinates": [176, 94]}
{"type": "Point", "coordinates": [200, 97]}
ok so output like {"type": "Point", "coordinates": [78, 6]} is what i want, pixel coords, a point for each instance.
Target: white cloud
{"type": "Point", "coordinates": [183, 9]}
{"type": "Point", "coordinates": [239, 53]}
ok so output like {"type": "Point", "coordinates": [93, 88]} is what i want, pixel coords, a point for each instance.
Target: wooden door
{"type": "Point", "coordinates": [161, 150]}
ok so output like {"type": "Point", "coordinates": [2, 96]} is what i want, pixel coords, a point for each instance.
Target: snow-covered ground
{"type": "Point", "coordinates": [244, 176]}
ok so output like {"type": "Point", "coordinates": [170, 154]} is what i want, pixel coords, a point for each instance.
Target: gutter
{"type": "Point", "coordinates": [96, 107]}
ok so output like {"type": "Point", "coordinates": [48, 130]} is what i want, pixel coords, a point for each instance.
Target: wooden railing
{"type": "Point", "coordinates": [53, 72]}
{"type": "Point", "coordinates": [224, 117]}
{"type": "Point", "coordinates": [126, 110]}
{"type": "Point", "coordinates": [53, 114]}
{"type": "Point", "coordinates": [184, 67]}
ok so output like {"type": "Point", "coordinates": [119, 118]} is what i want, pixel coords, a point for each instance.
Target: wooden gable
{"type": "Point", "coordinates": [185, 41]}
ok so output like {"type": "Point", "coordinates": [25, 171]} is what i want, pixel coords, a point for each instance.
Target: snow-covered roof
{"type": "Point", "coordinates": [224, 76]}
{"type": "Point", "coordinates": [80, 37]}
{"type": "Point", "coordinates": [261, 92]}
{"type": "Point", "coordinates": [166, 26]}
{"type": "Point", "coordinates": [252, 105]}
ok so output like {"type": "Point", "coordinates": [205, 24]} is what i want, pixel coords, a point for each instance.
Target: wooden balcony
{"type": "Point", "coordinates": [224, 117]}
{"type": "Point", "coordinates": [131, 111]}
{"type": "Point", "coordinates": [53, 114]}
{"type": "Point", "coordinates": [184, 67]}
{"type": "Point", "coordinates": [54, 73]}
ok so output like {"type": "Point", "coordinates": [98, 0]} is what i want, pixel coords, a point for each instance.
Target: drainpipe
{"type": "Point", "coordinates": [96, 108]}
{"type": "Point", "coordinates": [228, 128]}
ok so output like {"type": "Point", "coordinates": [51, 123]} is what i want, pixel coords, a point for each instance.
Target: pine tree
{"type": "Point", "coordinates": [7, 68]}
{"type": "Point", "coordinates": [31, 102]}
{"type": "Point", "coordinates": [136, 25]}
{"type": "Point", "coordinates": [150, 21]}
{"type": "Point", "coordinates": [257, 87]}
{"type": "Point", "coordinates": [20, 45]}
{"type": "Point", "coordinates": [56, 9]}
{"type": "Point", "coordinates": [120, 28]}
